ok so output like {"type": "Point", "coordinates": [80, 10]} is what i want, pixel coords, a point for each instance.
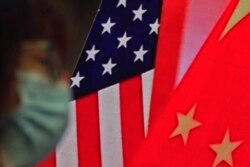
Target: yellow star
{"type": "Point", "coordinates": [242, 9]}
{"type": "Point", "coordinates": [224, 150]}
{"type": "Point", "coordinates": [185, 124]}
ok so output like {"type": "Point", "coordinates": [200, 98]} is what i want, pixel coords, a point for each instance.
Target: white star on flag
{"type": "Point", "coordinates": [154, 27]}
{"type": "Point", "coordinates": [138, 13]}
{"type": "Point", "coordinates": [140, 54]}
{"type": "Point", "coordinates": [107, 26]}
{"type": "Point", "coordinates": [108, 67]}
{"type": "Point", "coordinates": [123, 40]}
{"type": "Point", "coordinates": [76, 80]}
{"type": "Point", "coordinates": [92, 53]}
{"type": "Point", "coordinates": [122, 2]}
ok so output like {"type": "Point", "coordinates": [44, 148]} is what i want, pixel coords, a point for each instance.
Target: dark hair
{"type": "Point", "coordinates": [29, 20]}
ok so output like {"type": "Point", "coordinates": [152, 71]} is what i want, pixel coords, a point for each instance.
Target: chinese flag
{"type": "Point", "coordinates": [206, 123]}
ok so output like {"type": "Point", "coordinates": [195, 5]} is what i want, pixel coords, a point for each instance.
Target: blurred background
{"type": "Point", "coordinates": [83, 12]}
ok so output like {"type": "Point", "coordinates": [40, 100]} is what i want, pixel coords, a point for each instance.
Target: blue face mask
{"type": "Point", "coordinates": [37, 125]}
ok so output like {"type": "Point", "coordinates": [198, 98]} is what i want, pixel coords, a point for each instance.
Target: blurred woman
{"type": "Point", "coordinates": [35, 38]}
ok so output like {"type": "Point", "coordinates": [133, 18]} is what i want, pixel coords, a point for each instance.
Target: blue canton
{"type": "Point", "coordinates": [121, 44]}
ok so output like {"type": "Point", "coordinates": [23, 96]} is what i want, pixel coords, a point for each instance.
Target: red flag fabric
{"type": "Point", "coordinates": [206, 122]}
{"type": "Point", "coordinates": [168, 53]}
{"type": "Point", "coordinates": [106, 128]}
{"type": "Point", "coordinates": [50, 161]}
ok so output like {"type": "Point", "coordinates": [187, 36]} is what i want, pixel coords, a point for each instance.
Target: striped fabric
{"type": "Point", "coordinates": [107, 126]}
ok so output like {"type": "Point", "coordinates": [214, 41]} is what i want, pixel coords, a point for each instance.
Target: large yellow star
{"type": "Point", "coordinates": [185, 124]}
{"type": "Point", "coordinates": [242, 10]}
{"type": "Point", "coordinates": [224, 150]}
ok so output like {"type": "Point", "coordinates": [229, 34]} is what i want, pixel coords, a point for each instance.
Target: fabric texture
{"type": "Point", "coordinates": [206, 121]}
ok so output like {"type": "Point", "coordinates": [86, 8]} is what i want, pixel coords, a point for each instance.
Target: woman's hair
{"type": "Point", "coordinates": [29, 20]}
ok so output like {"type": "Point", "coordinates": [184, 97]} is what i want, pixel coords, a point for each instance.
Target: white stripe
{"type": "Point", "coordinates": [110, 127]}
{"type": "Point", "coordinates": [147, 84]}
{"type": "Point", "coordinates": [66, 151]}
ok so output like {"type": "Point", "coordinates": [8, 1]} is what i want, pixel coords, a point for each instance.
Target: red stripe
{"type": "Point", "coordinates": [168, 52]}
{"type": "Point", "coordinates": [88, 134]}
{"type": "Point", "coordinates": [50, 161]}
{"type": "Point", "coordinates": [131, 116]}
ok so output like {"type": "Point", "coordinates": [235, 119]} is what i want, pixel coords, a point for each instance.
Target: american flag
{"type": "Point", "coordinates": [134, 56]}
{"type": "Point", "coordinates": [121, 45]}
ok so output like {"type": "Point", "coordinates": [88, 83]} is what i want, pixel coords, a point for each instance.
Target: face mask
{"type": "Point", "coordinates": [37, 125]}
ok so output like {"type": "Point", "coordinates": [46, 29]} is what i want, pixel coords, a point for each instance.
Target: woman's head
{"type": "Point", "coordinates": [29, 20]}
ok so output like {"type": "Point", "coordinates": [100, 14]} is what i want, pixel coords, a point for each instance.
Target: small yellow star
{"type": "Point", "coordinates": [242, 10]}
{"type": "Point", "coordinates": [185, 124]}
{"type": "Point", "coordinates": [224, 150]}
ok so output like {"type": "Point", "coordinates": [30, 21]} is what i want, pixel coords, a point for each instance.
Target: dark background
{"type": "Point", "coordinates": [83, 12]}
